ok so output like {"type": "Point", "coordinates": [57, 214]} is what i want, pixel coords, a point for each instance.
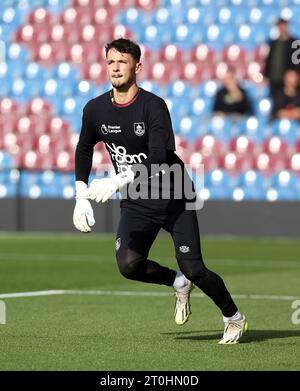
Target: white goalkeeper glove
{"type": "Point", "coordinates": [101, 190]}
{"type": "Point", "coordinates": [83, 216]}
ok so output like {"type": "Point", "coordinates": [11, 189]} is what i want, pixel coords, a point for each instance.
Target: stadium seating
{"type": "Point", "coordinates": [52, 61]}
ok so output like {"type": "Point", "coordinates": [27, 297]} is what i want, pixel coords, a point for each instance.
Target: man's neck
{"type": "Point", "coordinates": [290, 91]}
{"type": "Point", "coordinates": [123, 97]}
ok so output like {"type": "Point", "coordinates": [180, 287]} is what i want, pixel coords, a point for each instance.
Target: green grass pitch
{"type": "Point", "coordinates": [92, 329]}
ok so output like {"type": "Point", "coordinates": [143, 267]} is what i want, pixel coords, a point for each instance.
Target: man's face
{"type": "Point", "coordinates": [291, 79]}
{"type": "Point", "coordinates": [283, 28]}
{"type": "Point", "coordinates": [229, 80]}
{"type": "Point", "coordinates": [122, 69]}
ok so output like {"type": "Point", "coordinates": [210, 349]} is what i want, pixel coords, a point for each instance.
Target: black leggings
{"type": "Point", "coordinates": [136, 234]}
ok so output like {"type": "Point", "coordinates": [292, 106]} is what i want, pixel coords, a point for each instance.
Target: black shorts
{"type": "Point", "coordinates": [139, 226]}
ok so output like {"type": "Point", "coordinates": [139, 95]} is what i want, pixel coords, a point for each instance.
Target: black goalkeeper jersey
{"type": "Point", "coordinates": [136, 133]}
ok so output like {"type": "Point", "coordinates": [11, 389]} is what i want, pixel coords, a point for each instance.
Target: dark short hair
{"type": "Point", "coordinates": [281, 21]}
{"type": "Point", "coordinates": [123, 45]}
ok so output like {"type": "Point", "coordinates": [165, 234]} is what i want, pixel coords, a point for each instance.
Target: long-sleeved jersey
{"type": "Point", "coordinates": [139, 132]}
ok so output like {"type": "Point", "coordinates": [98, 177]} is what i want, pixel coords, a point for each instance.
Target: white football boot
{"type": "Point", "coordinates": [234, 330]}
{"type": "Point", "coordinates": [182, 309]}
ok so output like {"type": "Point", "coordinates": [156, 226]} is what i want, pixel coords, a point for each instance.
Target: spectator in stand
{"type": "Point", "coordinates": [279, 58]}
{"type": "Point", "coordinates": [286, 101]}
{"type": "Point", "coordinates": [231, 98]}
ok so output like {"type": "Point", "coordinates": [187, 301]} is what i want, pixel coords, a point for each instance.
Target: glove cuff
{"type": "Point", "coordinates": [81, 190]}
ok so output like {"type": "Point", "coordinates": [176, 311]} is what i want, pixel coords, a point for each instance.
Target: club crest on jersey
{"type": "Point", "coordinates": [139, 128]}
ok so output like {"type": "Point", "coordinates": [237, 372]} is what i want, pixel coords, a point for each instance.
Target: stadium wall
{"type": "Point", "coordinates": [216, 218]}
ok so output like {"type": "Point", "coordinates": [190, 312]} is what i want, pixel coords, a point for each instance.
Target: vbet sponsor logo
{"type": "Point", "coordinates": [165, 181]}
{"type": "Point", "coordinates": [123, 159]}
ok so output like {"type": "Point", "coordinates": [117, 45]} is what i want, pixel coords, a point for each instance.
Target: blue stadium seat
{"type": "Point", "coordinates": [6, 161]}
{"type": "Point", "coordinates": [286, 129]}
{"type": "Point", "coordinates": [219, 184]}
{"type": "Point", "coordinates": [247, 194]}
{"type": "Point", "coordinates": [179, 89]}
{"type": "Point", "coordinates": [221, 128]}
{"type": "Point", "coordinates": [188, 127]}
{"type": "Point", "coordinates": [287, 194]}
{"type": "Point", "coordinates": [285, 180]}
{"type": "Point", "coordinates": [255, 129]}
{"type": "Point", "coordinates": [251, 178]}
{"type": "Point", "coordinates": [8, 190]}
{"type": "Point", "coordinates": [5, 84]}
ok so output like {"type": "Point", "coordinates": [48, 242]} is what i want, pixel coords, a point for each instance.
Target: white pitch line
{"type": "Point", "coordinates": [133, 293]}
{"type": "Point", "coordinates": [31, 294]}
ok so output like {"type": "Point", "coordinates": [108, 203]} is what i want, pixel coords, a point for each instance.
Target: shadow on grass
{"type": "Point", "coordinates": [251, 336]}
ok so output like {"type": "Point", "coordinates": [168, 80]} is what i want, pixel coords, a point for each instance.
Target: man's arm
{"type": "Point", "coordinates": [83, 217]}
{"type": "Point", "coordinates": [161, 137]}
{"type": "Point", "coordinates": [84, 151]}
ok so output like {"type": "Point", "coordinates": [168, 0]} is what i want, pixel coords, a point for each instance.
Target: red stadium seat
{"type": "Point", "coordinates": [235, 163]}
{"type": "Point", "coordinates": [38, 106]}
{"type": "Point", "coordinates": [8, 123]}
{"type": "Point", "coordinates": [208, 146]}
{"type": "Point", "coordinates": [70, 16]}
{"type": "Point", "coordinates": [57, 126]}
{"type": "Point", "coordinates": [35, 160]}
{"type": "Point", "coordinates": [103, 16]}
{"type": "Point", "coordinates": [160, 73]}
{"type": "Point", "coordinates": [73, 141]}
{"type": "Point", "coordinates": [95, 71]}
{"type": "Point", "coordinates": [25, 125]}
{"type": "Point", "coordinates": [261, 52]}
{"type": "Point", "coordinates": [170, 54]}
{"type": "Point", "coordinates": [92, 52]}
{"type": "Point", "coordinates": [275, 146]}
{"type": "Point", "coordinates": [50, 142]}
{"type": "Point", "coordinates": [201, 55]}
{"type": "Point", "coordinates": [242, 145]}
{"type": "Point", "coordinates": [183, 148]}
{"type": "Point", "coordinates": [294, 162]}
{"type": "Point", "coordinates": [297, 146]}
{"type": "Point", "coordinates": [64, 161]}
{"type": "Point", "coordinates": [192, 73]}
{"type": "Point", "coordinates": [209, 162]}
{"type": "Point", "coordinates": [270, 164]}
{"type": "Point", "coordinates": [233, 55]}
{"type": "Point", "coordinates": [40, 16]}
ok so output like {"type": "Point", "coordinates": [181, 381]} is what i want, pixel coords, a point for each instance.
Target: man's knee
{"type": "Point", "coordinates": [131, 267]}
{"type": "Point", "coordinates": [193, 269]}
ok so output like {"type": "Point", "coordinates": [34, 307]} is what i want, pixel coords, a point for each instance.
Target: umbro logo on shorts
{"type": "Point", "coordinates": [118, 244]}
{"type": "Point", "coordinates": [184, 249]}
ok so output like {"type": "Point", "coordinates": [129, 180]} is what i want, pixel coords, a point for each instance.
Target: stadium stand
{"type": "Point", "coordinates": [52, 61]}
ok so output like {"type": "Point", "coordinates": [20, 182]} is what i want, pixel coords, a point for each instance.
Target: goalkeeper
{"type": "Point", "coordinates": [136, 128]}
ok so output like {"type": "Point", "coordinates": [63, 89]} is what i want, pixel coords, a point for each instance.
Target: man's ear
{"type": "Point", "coordinates": [138, 67]}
